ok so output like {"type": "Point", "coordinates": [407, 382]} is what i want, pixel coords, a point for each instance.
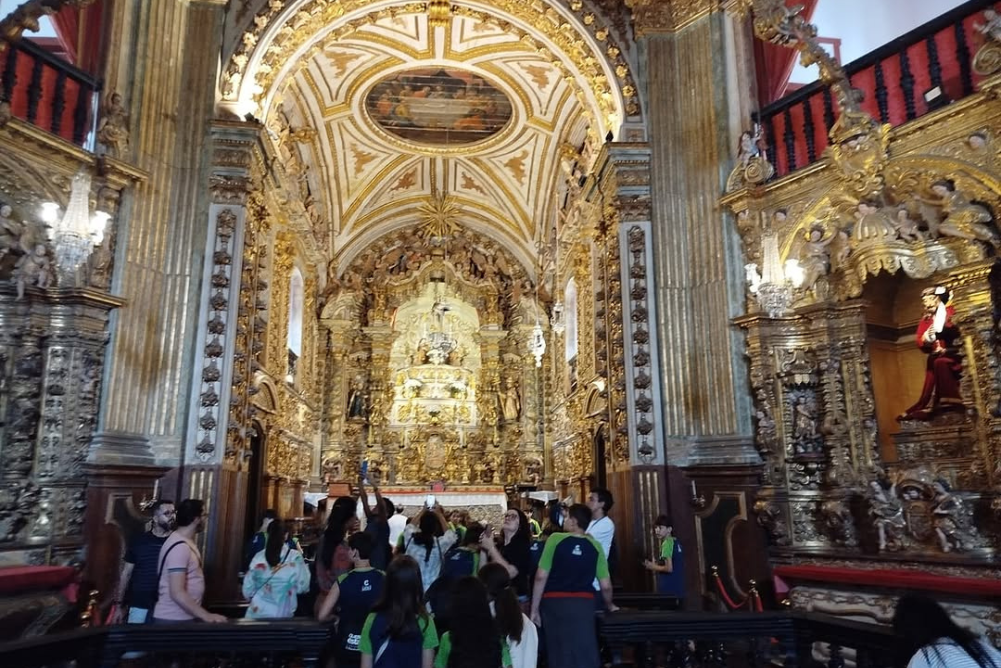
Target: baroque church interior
{"type": "Point", "coordinates": [504, 251]}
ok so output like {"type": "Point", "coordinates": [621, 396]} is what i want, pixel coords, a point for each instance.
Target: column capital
{"type": "Point", "coordinates": [659, 17]}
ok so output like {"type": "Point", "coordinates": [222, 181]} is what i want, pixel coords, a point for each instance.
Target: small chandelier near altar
{"type": "Point", "coordinates": [77, 232]}
{"type": "Point", "coordinates": [773, 288]}
{"type": "Point", "coordinates": [537, 344]}
{"type": "Point", "coordinates": [558, 323]}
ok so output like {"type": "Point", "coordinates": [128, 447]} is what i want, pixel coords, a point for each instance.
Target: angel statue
{"type": "Point", "coordinates": [887, 512]}
{"type": "Point", "coordinates": [947, 516]}
{"type": "Point", "coordinates": [113, 130]}
{"type": "Point", "coordinates": [34, 268]}
{"type": "Point", "coordinates": [991, 28]}
{"type": "Point", "coordinates": [815, 255]}
{"type": "Point", "coordinates": [963, 218]}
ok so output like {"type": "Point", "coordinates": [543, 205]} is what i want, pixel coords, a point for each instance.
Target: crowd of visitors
{"type": "Point", "coordinates": [455, 595]}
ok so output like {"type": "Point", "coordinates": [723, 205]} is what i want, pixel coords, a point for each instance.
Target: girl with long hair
{"type": "Point", "coordinates": [928, 638]}
{"type": "Point", "coordinates": [275, 578]}
{"type": "Point", "coordinates": [333, 556]}
{"type": "Point", "coordinates": [427, 540]}
{"type": "Point", "coordinates": [512, 550]}
{"type": "Point", "coordinates": [473, 640]}
{"type": "Point", "coordinates": [399, 632]}
{"type": "Point", "coordinates": [512, 624]}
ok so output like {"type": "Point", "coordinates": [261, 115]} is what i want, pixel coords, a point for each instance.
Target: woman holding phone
{"type": "Point", "coordinates": [426, 540]}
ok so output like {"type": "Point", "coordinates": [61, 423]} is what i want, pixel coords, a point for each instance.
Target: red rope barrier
{"type": "Point", "coordinates": [726, 597]}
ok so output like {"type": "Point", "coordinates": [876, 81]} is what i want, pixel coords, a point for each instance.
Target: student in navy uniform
{"type": "Point", "coordinates": [474, 640]}
{"type": "Point", "coordinates": [353, 596]}
{"type": "Point", "coordinates": [459, 561]}
{"type": "Point", "coordinates": [669, 565]}
{"type": "Point", "coordinates": [464, 559]}
{"type": "Point", "coordinates": [563, 597]}
{"type": "Point", "coordinates": [399, 632]}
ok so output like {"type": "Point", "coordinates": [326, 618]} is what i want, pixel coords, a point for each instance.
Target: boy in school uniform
{"type": "Point", "coordinates": [563, 596]}
{"type": "Point", "coordinates": [353, 596]}
{"type": "Point", "coordinates": [669, 565]}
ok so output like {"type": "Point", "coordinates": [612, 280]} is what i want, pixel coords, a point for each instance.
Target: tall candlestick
{"type": "Point", "coordinates": [694, 492]}
{"type": "Point", "coordinates": [156, 489]}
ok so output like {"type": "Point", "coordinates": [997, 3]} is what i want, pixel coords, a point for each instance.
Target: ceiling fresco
{"type": "Point", "coordinates": [438, 106]}
{"type": "Point", "coordinates": [390, 114]}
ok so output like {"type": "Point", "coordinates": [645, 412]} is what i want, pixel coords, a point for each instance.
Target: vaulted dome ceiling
{"type": "Point", "coordinates": [395, 118]}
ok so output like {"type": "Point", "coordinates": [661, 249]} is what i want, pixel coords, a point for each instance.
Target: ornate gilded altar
{"type": "Point", "coordinates": [436, 341]}
{"type": "Point", "coordinates": [885, 224]}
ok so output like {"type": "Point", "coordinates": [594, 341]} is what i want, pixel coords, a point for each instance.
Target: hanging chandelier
{"type": "Point", "coordinates": [537, 344]}
{"type": "Point", "coordinates": [775, 286]}
{"type": "Point", "coordinates": [558, 322]}
{"type": "Point", "coordinates": [77, 232]}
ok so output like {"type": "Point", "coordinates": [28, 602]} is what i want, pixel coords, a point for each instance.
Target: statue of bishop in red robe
{"type": "Point", "coordinates": [938, 336]}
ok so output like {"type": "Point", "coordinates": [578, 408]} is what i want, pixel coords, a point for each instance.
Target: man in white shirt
{"type": "Point", "coordinates": [396, 525]}
{"type": "Point", "coordinates": [601, 528]}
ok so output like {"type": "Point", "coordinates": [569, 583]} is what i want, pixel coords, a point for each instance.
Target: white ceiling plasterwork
{"type": "Point", "coordinates": [369, 177]}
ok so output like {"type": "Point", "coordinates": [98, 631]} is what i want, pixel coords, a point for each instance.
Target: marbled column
{"type": "Point", "coordinates": [169, 89]}
{"type": "Point", "coordinates": [698, 263]}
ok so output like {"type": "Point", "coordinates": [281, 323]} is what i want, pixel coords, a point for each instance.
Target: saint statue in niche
{"type": "Point", "coordinates": [356, 399]}
{"type": "Point", "coordinates": [510, 401]}
{"type": "Point", "coordinates": [938, 336]}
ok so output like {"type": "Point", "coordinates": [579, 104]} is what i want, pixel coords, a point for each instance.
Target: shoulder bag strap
{"type": "Point", "coordinates": [274, 570]}
{"type": "Point", "coordinates": [159, 571]}
{"type": "Point", "coordinates": [382, 650]}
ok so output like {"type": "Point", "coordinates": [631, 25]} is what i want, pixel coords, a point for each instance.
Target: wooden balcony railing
{"type": "Point", "coordinates": [893, 80]}
{"type": "Point", "coordinates": [48, 92]}
{"type": "Point", "coordinates": [632, 638]}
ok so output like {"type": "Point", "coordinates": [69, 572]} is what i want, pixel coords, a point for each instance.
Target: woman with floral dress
{"type": "Point", "coordinates": [276, 577]}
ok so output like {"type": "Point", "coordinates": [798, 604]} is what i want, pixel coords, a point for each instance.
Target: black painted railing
{"type": "Point", "coordinates": [893, 80]}
{"type": "Point", "coordinates": [48, 92]}
{"type": "Point", "coordinates": [711, 640]}
{"type": "Point", "coordinates": [633, 638]}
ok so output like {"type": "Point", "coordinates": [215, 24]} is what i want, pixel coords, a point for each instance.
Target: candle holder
{"type": "Point", "coordinates": [698, 500]}
{"type": "Point", "coordinates": [146, 502]}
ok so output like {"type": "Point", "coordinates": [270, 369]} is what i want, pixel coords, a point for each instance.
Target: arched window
{"type": "Point", "coordinates": [296, 302]}
{"type": "Point", "coordinates": [570, 317]}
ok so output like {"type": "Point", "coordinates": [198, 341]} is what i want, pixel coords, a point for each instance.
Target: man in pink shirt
{"type": "Point", "coordinates": [181, 579]}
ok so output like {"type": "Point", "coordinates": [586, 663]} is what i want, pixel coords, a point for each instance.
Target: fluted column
{"type": "Point", "coordinates": [695, 110]}
{"type": "Point", "coordinates": [168, 87]}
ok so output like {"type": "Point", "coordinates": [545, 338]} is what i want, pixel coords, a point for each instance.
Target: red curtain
{"type": "Point", "coordinates": [80, 33]}
{"type": "Point", "coordinates": [775, 63]}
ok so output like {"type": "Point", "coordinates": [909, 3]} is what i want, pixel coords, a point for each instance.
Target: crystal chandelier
{"type": "Point", "coordinates": [537, 344]}
{"type": "Point", "coordinates": [558, 324]}
{"type": "Point", "coordinates": [77, 232]}
{"type": "Point", "coordinates": [773, 288]}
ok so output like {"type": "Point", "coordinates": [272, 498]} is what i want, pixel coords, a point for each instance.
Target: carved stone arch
{"type": "Point", "coordinates": [280, 31]}
{"type": "Point", "coordinates": [24, 187]}
{"type": "Point", "coordinates": [267, 397]}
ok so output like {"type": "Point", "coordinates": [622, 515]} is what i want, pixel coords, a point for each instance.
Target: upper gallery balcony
{"type": "Point", "coordinates": [49, 77]}
{"type": "Point", "coordinates": [920, 71]}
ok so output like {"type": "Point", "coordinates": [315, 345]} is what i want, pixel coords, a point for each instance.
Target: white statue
{"type": "Point", "coordinates": [113, 130]}
{"type": "Point", "coordinates": [34, 268]}
{"type": "Point", "coordinates": [10, 231]}
{"type": "Point", "coordinates": [510, 401]}
{"type": "Point", "coordinates": [992, 27]}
